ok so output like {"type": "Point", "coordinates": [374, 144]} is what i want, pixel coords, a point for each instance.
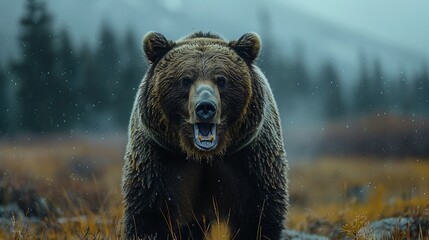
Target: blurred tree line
{"type": "Point", "coordinates": [373, 93]}
{"type": "Point", "coordinates": [322, 93]}
{"type": "Point", "coordinates": [56, 86]}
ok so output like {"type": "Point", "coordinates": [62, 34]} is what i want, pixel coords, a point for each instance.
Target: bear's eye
{"type": "Point", "coordinates": [186, 81]}
{"type": "Point", "coordinates": [221, 81]}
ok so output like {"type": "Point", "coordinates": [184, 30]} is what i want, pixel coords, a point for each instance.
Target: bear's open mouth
{"type": "Point", "coordinates": [205, 136]}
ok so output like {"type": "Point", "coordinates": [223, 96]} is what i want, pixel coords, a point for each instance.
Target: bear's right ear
{"type": "Point", "coordinates": [248, 46]}
{"type": "Point", "coordinates": [155, 46]}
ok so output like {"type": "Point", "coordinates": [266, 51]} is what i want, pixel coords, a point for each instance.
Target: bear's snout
{"type": "Point", "coordinates": [205, 115]}
{"type": "Point", "coordinates": [205, 110]}
{"type": "Point", "coordinates": [204, 105]}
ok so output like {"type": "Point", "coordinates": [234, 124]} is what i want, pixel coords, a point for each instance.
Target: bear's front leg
{"type": "Point", "coordinates": [144, 209]}
{"type": "Point", "coordinates": [146, 213]}
{"type": "Point", "coordinates": [159, 221]}
{"type": "Point", "coordinates": [272, 220]}
{"type": "Point", "coordinates": [146, 225]}
{"type": "Point", "coordinates": [259, 221]}
{"type": "Point", "coordinates": [158, 199]}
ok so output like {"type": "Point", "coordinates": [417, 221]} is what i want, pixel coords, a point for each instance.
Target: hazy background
{"type": "Point", "coordinates": [350, 77]}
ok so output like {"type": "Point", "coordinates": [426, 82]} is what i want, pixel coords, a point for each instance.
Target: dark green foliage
{"type": "Point", "coordinates": [61, 88]}
{"type": "Point", "coordinates": [299, 74]}
{"type": "Point", "coordinates": [91, 91]}
{"type": "Point", "coordinates": [66, 66]}
{"type": "Point", "coordinates": [330, 89]}
{"type": "Point", "coordinates": [131, 73]}
{"type": "Point", "coordinates": [4, 115]}
{"type": "Point", "coordinates": [289, 78]}
{"type": "Point", "coordinates": [402, 99]}
{"type": "Point", "coordinates": [421, 92]}
{"type": "Point", "coordinates": [362, 101]}
{"type": "Point", "coordinates": [39, 91]}
{"type": "Point", "coordinates": [377, 91]}
{"type": "Point", "coordinates": [107, 59]}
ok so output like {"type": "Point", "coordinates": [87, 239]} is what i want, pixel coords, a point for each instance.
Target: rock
{"type": "Point", "coordinates": [384, 229]}
{"type": "Point", "coordinates": [12, 216]}
{"type": "Point", "coordinates": [11, 211]}
{"type": "Point", "coordinates": [26, 198]}
{"type": "Point", "coordinates": [66, 220]}
{"type": "Point", "coordinates": [9, 214]}
{"type": "Point", "coordinates": [296, 235]}
{"type": "Point", "coordinates": [323, 227]}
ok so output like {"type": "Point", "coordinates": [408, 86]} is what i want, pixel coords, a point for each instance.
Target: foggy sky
{"type": "Point", "coordinates": [393, 31]}
{"type": "Point", "coordinates": [403, 23]}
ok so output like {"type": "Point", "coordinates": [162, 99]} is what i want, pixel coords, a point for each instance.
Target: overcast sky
{"type": "Point", "coordinates": [402, 25]}
{"type": "Point", "coordinates": [405, 23]}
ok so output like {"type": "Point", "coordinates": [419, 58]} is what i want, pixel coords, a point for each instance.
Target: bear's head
{"type": "Point", "coordinates": [199, 95]}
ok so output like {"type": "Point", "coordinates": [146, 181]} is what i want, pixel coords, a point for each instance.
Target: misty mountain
{"type": "Point", "coordinates": [291, 31]}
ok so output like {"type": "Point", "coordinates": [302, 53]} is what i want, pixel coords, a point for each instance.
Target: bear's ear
{"type": "Point", "coordinates": [248, 46]}
{"type": "Point", "coordinates": [155, 46]}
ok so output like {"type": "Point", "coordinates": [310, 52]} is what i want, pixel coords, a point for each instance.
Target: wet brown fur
{"type": "Point", "coordinates": [165, 172]}
{"type": "Point", "coordinates": [199, 52]}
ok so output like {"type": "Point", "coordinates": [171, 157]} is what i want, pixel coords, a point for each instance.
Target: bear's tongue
{"type": "Point", "coordinates": [205, 135]}
{"type": "Point", "coordinates": [204, 128]}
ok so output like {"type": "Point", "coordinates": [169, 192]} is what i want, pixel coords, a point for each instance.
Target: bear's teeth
{"type": "Point", "coordinates": [202, 138]}
{"type": "Point", "coordinates": [205, 135]}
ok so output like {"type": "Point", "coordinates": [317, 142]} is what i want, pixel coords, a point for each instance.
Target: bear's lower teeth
{"type": "Point", "coordinates": [205, 135]}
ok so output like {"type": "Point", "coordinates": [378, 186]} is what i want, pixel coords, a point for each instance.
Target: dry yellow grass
{"type": "Point", "coordinates": [81, 177]}
{"type": "Point", "coordinates": [326, 200]}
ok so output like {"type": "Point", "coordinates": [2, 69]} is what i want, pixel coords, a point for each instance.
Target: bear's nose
{"type": "Point", "coordinates": [205, 110]}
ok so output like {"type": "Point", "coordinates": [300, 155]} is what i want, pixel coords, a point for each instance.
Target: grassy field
{"type": "Point", "coordinates": [346, 193]}
{"type": "Point", "coordinates": [79, 179]}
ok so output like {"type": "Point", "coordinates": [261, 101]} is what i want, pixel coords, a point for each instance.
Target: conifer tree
{"type": "Point", "coordinates": [4, 117]}
{"type": "Point", "coordinates": [66, 70]}
{"type": "Point", "coordinates": [129, 79]}
{"type": "Point", "coordinates": [107, 60]}
{"type": "Point", "coordinates": [421, 92]}
{"type": "Point", "coordinates": [334, 106]}
{"type": "Point", "coordinates": [378, 88]}
{"type": "Point", "coordinates": [362, 96]}
{"type": "Point", "coordinates": [39, 91]}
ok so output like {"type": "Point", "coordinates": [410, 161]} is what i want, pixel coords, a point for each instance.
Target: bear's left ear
{"type": "Point", "coordinates": [155, 46]}
{"type": "Point", "coordinates": [248, 46]}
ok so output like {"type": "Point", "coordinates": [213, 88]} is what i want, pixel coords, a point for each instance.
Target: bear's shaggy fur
{"type": "Point", "coordinates": [175, 187]}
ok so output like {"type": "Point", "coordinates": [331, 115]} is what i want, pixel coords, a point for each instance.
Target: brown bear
{"type": "Point", "coordinates": [205, 143]}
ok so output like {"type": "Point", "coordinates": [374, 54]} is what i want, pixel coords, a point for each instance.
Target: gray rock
{"type": "Point", "coordinates": [11, 211]}
{"type": "Point", "coordinates": [11, 216]}
{"type": "Point", "coordinates": [296, 235]}
{"type": "Point", "coordinates": [384, 229]}
{"type": "Point", "coordinates": [64, 220]}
